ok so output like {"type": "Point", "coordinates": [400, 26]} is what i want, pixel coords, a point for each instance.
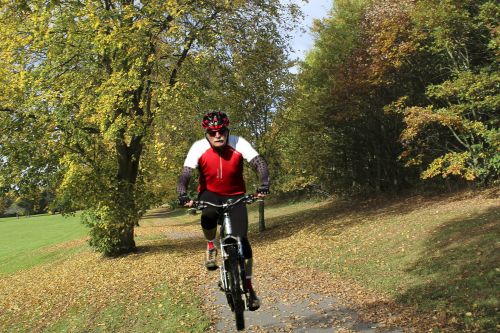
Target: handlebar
{"type": "Point", "coordinates": [247, 199]}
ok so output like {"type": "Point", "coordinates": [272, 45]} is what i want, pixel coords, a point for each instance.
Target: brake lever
{"type": "Point", "coordinates": [253, 199]}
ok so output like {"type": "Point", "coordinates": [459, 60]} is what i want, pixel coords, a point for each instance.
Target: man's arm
{"type": "Point", "coordinates": [182, 185]}
{"type": "Point", "coordinates": [259, 164]}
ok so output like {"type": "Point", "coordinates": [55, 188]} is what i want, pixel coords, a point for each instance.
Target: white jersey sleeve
{"type": "Point", "coordinates": [243, 146]}
{"type": "Point", "coordinates": [195, 152]}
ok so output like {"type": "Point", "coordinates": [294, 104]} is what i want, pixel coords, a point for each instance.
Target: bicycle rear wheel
{"type": "Point", "coordinates": [234, 284]}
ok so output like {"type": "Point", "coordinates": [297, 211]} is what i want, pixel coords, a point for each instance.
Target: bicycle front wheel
{"type": "Point", "coordinates": [234, 285]}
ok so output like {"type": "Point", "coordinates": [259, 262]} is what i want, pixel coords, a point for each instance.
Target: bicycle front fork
{"type": "Point", "coordinates": [240, 262]}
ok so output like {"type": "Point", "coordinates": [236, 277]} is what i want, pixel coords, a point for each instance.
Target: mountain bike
{"type": "Point", "coordinates": [232, 270]}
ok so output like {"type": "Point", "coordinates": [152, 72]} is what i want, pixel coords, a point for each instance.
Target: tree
{"type": "Point", "coordinates": [338, 108]}
{"type": "Point", "coordinates": [5, 202]}
{"type": "Point", "coordinates": [395, 91]}
{"type": "Point", "coordinates": [455, 132]}
{"type": "Point", "coordinates": [94, 81]}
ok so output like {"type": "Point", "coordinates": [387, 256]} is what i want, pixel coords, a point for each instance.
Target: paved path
{"type": "Point", "coordinates": [290, 306]}
{"type": "Point", "coordinates": [315, 314]}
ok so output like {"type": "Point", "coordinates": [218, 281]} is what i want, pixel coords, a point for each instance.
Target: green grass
{"type": "Point", "coordinates": [279, 210]}
{"type": "Point", "coordinates": [177, 217]}
{"type": "Point", "coordinates": [29, 241]}
{"type": "Point", "coordinates": [26, 242]}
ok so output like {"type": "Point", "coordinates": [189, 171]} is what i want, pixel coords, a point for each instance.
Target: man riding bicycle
{"type": "Point", "coordinates": [219, 159]}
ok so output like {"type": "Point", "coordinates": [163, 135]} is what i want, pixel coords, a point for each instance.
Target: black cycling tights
{"type": "Point", "coordinates": [238, 214]}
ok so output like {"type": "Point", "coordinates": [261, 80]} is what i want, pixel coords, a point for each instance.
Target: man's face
{"type": "Point", "coordinates": [217, 138]}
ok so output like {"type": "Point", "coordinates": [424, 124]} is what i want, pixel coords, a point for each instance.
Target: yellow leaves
{"type": "Point", "coordinates": [397, 106]}
{"type": "Point", "coordinates": [470, 154]}
{"type": "Point", "coordinates": [84, 287]}
{"type": "Point", "coordinates": [12, 85]}
{"type": "Point", "coordinates": [73, 177]}
{"type": "Point", "coordinates": [142, 24]}
{"type": "Point", "coordinates": [457, 164]}
{"type": "Point", "coordinates": [388, 28]}
{"type": "Point", "coordinates": [415, 118]}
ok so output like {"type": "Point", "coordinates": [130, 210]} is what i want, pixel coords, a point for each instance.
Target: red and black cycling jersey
{"type": "Point", "coordinates": [221, 170]}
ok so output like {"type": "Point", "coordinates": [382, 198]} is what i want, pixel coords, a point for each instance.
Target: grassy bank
{"type": "Point", "coordinates": [29, 241]}
{"type": "Point", "coordinates": [437, 254]}
{"type": "Point", "coordinates": [162, 310]}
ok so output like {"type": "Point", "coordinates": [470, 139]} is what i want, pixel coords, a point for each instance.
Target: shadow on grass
{"type": "Point", "coordinates": [459, 268]}
{"type": "Point", "coordinates": [286, 225]}
{"type": "Point", "coordinates": [462, 273]}
{"type": "Point", "coordinates": [162, 217]}
{"type": "Point", "coordinates": [277, 227]}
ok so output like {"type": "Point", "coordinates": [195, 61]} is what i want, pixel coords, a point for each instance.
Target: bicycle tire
{"type": "Point", "coordinates": [238, 305]}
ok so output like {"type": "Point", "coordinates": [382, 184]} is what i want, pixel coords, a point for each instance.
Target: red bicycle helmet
{"type": "Point", "coordinates": [214, 121]}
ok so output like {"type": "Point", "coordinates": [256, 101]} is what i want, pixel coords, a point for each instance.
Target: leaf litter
{"type": "Point", "coordinates": [35, 299]}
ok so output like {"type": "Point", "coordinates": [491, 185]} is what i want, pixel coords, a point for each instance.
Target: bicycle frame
{"type": "Point", "coordinates": [227, 239]}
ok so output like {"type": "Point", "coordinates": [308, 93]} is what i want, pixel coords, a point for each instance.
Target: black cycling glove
{"type": "Point", "coordinates": [184, 199]}
{"type": "Point", "coordinates": [263, 189]}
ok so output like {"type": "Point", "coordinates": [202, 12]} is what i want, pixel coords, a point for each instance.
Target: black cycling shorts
{"type": "Point", "coordinates": [238, 215]}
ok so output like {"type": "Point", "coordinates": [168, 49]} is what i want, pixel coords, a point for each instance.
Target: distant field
{"type": "Point", "coordinates": [29, 241]}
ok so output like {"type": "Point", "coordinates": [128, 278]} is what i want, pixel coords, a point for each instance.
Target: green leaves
{"type": "Point", "coordinates": [469, 115]}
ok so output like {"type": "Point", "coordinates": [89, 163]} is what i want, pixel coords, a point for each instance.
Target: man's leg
{"type": "Point", "coordinates": [239, 216]}
{"type": "Point", "coordinates": [209, 233]}
{"type": "Point", "coordinates": [209, 218]}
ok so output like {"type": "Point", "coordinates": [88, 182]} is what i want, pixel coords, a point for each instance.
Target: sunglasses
{"type": "Point", "coordinates": [222, 131]}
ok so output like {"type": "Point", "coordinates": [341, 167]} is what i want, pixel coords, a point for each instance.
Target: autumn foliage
{"type": "Point", "coordinates": [98, 99]}
{"type": "Point", "coordinates": [396, 92]}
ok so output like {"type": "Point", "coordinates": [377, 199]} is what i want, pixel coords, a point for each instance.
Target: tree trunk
{"type": "Point", "coordinates": [125, 201]}
{"type": "Point", "coordinates": [378, 168]}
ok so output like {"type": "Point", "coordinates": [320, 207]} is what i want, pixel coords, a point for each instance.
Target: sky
{"type": "Point", "coordinates": [314, 9]}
